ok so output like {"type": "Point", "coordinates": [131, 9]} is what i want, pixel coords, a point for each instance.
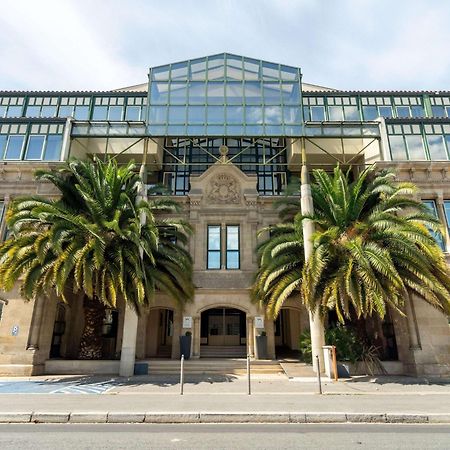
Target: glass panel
{"type": "Point", "coordinates": [235, 93]}
{"type": "Point", "coordinates": [197, 93]}
{"type": "Point", "coordinates": [177, 114]}
{"type": "Point", "coordinates": [398, 149]}
{"type": "Point", "coordinates": [196, 115]}
{"type": "Point", "coordinates": [270, 71]}
{"type": "Point", "coordinates": [272, 94]}
{"type": "Point", "coordinates": [235, 114]}
{"type": "Point", "coordinates": [233, 237]}
{"type": "Point", "coordinates": [290, 93]}
{"type": "Point", "coordinates": [251, 69]}
{"type": "Point", "coordinates": [252, 92]}
{"type": "Point", "coordinates": [317, 113]}
{"type": "Point", "coordinates": [14, 111]}
{"type": "Point", "coordinates": [351, 113]}
{"type": "Point", "coordinates": [431, 204]}
{"type": "Point", "coordinates": [53, 147]}
{"type": "Point", "coordinates": [335, 113]}
{"type": "Point", "coordinates": [48, 111]}
{"type": "Point", "coordinates": [370, 112]}
{"type": "Point", "coordinates": [3, 139]}
{"type": "Point", "coordinates": [198, 69]}
{"type": "Point", "coordinates": [158, 114]}
{"type": "Point", "coordinates": [178, 93]}
{"type": "Point", "coordinates": [232, 260]}
{"type": "Point", "coordinates": [213, 237]}
{"type": "Point", "coordinates": [34, 148]}
{"type": "Point", "coordinates": [385, 111]}
{"type": "Point", "coordinates": [417, 111]}
{"type": "Point", "coordinates": [215, 114]}
{"type": "Point", "coordinates": [447, 212]}
{"type": "Point", "coordinates": [159, 93]}
{"type": "Point", "coordinates": [33, 111]}
{"type": "Point", "coordinates": [160, 73]}
{"type": "Point", "coordinates": [133, 113]}
{"type": "Point", "coordinates": [234, 68]}
{"type": "Point", "coordinates": [438, 111]}
{"type": "Point", "coordinates": [272, 115]}
{"type": "Point", "coordinates": [65, 111]}
{"type": "Point", "coordinates": [115, 113]}
{"type": "Point", "coordinates": [179, 71]}
{"type": "Point", "coordinates": [291, 114]}
{"type": "Point", "coordinates": [416, 150]}
{"type": "Point", "coordinates": [213, 260]}
{"type": "Point", "coordinates": [2, 114]}
{"type": "Point", "coordinates": [14, 148]}
{"type": "Point", "coordinates": [100, 113]}
{"type": "Point", "coordinates": [215, 93]}
{"type": "Point", "coordinates": [253, 114]}
{"type": "Point", "coordinates": [436, 146]}
{"type": "Point", "coordinates": [403, 111]}
{"type": "Point", "coordinates": [216, 68]}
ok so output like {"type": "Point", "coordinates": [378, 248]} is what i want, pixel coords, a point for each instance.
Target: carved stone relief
{"type": "Point", "coordinates": [224, 188]}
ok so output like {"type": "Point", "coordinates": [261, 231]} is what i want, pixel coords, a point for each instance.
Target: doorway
{"type": "Point", "coordinates": [223, 327]}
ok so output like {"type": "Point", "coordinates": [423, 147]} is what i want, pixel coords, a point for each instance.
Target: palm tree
{"type": "Point", "coordinates": [372, 244]}
{"type": "Point", "coordinates": [92, 240]}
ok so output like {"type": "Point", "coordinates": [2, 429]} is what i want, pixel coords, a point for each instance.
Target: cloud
{"type": "Point", "coordinates": [353, 44]}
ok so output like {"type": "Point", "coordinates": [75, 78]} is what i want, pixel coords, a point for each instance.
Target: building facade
{"type": "Point", "coordinates": [225, 134]}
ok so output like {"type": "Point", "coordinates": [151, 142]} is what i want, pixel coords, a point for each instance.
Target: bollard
{"type": "Point", "coordinates": [248, 375]}
{"type": "Point", "coordinates": [335, 370]}
{"type": "Point", "coordinates": [318, 374]}
{"type": "Point", "coordinates": [182, 375]}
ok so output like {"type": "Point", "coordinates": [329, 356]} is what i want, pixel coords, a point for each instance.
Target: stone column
{"type": "Point", "coordinates": [196, 337]}
{"type": "Point", "coordinates": [411, 320]}
{"type": "Point", "coordinates": [36, 322]}
{"type": "Point", "coordinates": [128, 355]}
{"type": "Point", "coordinates": [250, 337]}
{"type": "Point", "coordinates": [270, 331]}
{"type": "Point", "coordinates": [315, 321]}
{"type": "Point", "coordinates": [177, 322]}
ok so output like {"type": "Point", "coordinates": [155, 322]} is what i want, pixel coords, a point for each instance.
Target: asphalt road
{"type": "Point", "coordinates": [217, 436]}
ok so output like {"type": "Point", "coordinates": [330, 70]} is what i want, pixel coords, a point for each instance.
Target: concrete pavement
{"type": "Point", "coordinates": [222, 399]}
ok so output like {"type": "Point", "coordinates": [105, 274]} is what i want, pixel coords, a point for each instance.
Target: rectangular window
{"type": "Point", "coordinates": [53, 147]}
{"type": "Point", "coordinates": [431, 204]}
{"type": "Point", "coordinates": [447, 212]}
{"type": "Point", "coordinates": [214, 247]}
{"type": "Point", "coordinates": [34, 148]}
{"type": "Point", "coordinates": [14, 147]}
{"type": "Point", "coordinates": [232, 239]}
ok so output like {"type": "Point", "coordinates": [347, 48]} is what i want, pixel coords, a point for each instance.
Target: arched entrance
{"type": "Point", "coordinates": [287, 333]}
{"type": "Point", "coordinates": [223, 333]}
{"type": "Point", "coordinates": [160, 333]}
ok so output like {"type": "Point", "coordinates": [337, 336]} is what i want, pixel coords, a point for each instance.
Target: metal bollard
{"type": "Point", "coordinates": [318, 374]}
{"type": "Point", "coordinates": [248, 375]}
{"type": "Point", "coordinates": [182, 375]}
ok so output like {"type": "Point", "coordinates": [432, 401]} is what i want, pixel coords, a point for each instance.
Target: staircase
{"type": "Point", "coordinates": [225, 366]}
{"type": "Point", "coordinates": [164, 351]}
{"type": "Point", "coordinates": [223, 351]}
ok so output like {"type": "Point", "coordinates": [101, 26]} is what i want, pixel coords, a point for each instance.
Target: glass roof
{"type": "Point", "coordinates": [224, 95]}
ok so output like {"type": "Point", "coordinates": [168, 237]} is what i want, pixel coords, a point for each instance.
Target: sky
{"type": "Point", "coordinates": [107, 44]}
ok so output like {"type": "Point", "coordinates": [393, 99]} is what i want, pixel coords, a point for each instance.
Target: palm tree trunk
{"type": "Point", "coordinates": [91, 340]}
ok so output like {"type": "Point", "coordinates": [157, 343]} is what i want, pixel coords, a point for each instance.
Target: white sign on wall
{"type": "Point", "coordinates": [259, 322]}
{"type": "Point", "coordinates": [187, 321]}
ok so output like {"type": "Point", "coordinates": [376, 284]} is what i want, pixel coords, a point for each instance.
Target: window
{"type": "Point", "coordinates": [232, 239]}
{"type": "Point", "coordinates": [214, 247]}
{"type": "Point", "coordinates": [447, 212]}
{"type": "Point", "coordinates": [34, 148]}
{"type": "Point", "coordinates": [229, 241]}
{"type": "Point", "coordinates": [431, 204]}
{"type": "Point", "coordinates": [14, 147]}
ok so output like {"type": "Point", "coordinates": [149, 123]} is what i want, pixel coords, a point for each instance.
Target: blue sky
{"type": "Point", "coordinates": [104, 44]}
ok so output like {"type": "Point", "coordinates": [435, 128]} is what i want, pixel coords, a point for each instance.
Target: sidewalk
{"type": "Point", "coordinates": [225, 399]}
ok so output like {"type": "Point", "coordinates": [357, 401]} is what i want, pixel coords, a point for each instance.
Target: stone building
{"type": "Point", "coordinates": [225, 134]}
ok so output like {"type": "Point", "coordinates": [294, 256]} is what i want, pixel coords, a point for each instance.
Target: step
{"type": "Point", "coordinates": [231, 366]}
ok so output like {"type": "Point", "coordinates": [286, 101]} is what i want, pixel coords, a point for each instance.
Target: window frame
{"type": "Point", "coordinates": [238, 251]}
{"type": "Point", "coordinates": [208, 250]}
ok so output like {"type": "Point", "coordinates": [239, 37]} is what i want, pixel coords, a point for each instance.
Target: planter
{"type": "Point", "coordinates": [185, 346]}
{"type": "Point", "coordinates": [360, 368]}
{"type": "Point", "coordinates": [261, 347]}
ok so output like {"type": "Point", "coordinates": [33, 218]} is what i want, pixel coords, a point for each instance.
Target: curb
{"type": "Point", "coordinates": [218, 417]}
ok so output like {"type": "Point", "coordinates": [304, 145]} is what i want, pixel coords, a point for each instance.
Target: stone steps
{"type": "Point", "coordinates": [226, 366]}
{"type": "Point", "coordinates": [230, 351]}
